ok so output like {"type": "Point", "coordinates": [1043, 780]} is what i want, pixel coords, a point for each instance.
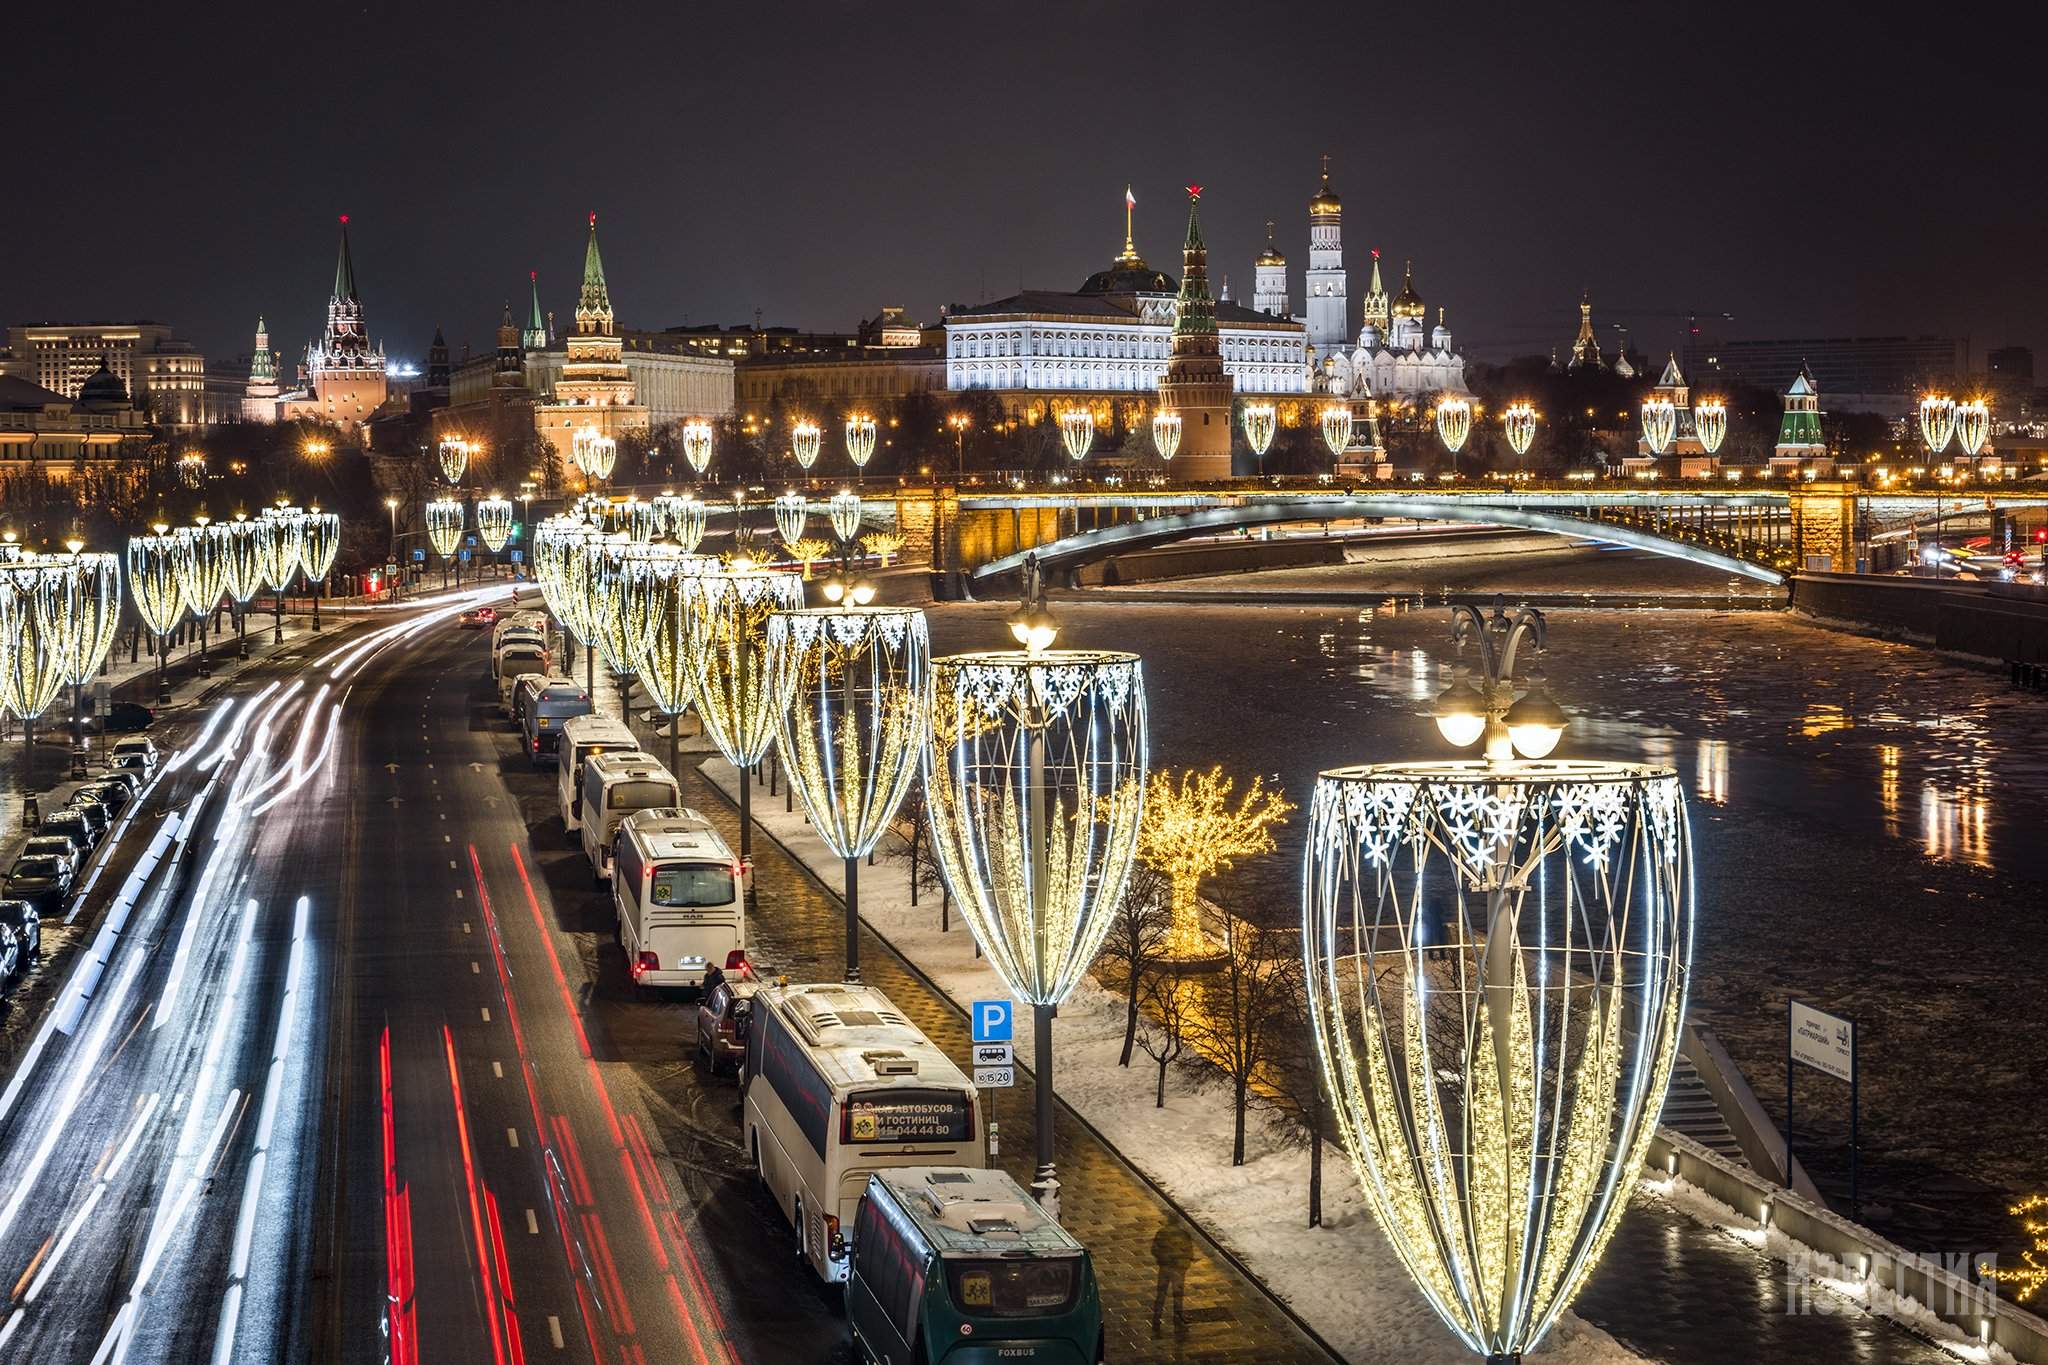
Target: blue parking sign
{"type": "Point", "coordinates": [990, 1021]}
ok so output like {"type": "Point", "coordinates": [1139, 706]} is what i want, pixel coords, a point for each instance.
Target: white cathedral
{"type": "Point", "coordinates": [1397, 355]}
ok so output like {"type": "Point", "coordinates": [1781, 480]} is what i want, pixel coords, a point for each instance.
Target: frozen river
{"type": "Point", "coordinates": [1863, 815]}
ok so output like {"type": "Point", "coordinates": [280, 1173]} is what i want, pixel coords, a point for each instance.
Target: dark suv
{"type": "Point", "coordinates": [73, 825]}
{"type": "Point", "coordinates": [21, 934]}
{"type": "Point", "coordinates": [39, 879]}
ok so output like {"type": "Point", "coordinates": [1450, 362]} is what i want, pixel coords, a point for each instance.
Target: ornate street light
{"type": "Point", "coordinates": [202, 566]}
{"type": "Point", "coordinates": [1519, 420]}
{"type": "Point", "coordinates": [565, 583]}
{"type": "Point", "coordinates": [89, 619]}
{"type": "Point", "coordinates": [494, 518]}
{"type": "Point", "coordinates": [444, 526]}
{"type": "Point", "coordinates": [1166, 433]}
{"type": "Point", "coordinates": [687, 522]}
{"type": "Point", "coordinates": [664, 662]}
{"type": "Point", "coordinates": [1710, 420]}
{"type": "Point", "coordinates": [594, 453]}
{"type": "Point", "coordinates": [1261, 420]}
{"type": "Point", "coordinates": [725, 625]}
{"type": "Point", "coordinates": [35, 597]}
{"type": "Point", "coordinates": [319, 543]}
{"type": "Point", "coordinates": [1937, 421]}
{"type": "Point", "coordinates": [845, 509]}
{"type": "Point", "coordinates": [1973, 426]}
{"type": "Point", "coordinates": [1660, 424]}
{"type": "Point", "coordinates": [851, 682]}
{"type": "Point", "coordinates": [860, 440]}
{"type": "Point", "coordinates": [805, 438]}
{"type": "Point", "coordinates": [1497, 954]}
{"type": "Point", "coordinates": [1336, 423]}
{"type": "Point", "coordinates": [454, 459]}
{"type": "Point", "coordinates": [1035, 778]}
{"type": "Point", "coordinates": [192, 468]}
{"type": "Point", "coordinates": [638, 519]}
{"type": "Point", "coordinates": [1453, 423]}
{"type": "Point", "coordinates": [1077, 431]}
{"type": "Point", "coordinates": [158, 595]}
{"type": "Point", "coordinates": [245, 574]}
{"type": "Point", "coordinates": [791, 511]}
{"type": "Point", "coordinates": [622, 583]}
{"type": "Point", "coordinates": [280, 545]}
{"type": "Point", "coordinates": [697, 444]}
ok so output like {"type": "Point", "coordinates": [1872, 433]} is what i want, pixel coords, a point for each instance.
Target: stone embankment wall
{"type": "Point", "coordinates": [2000, 622]}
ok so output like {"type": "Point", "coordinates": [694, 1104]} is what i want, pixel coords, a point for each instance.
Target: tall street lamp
{"type": "Point", "coordinates": [805, 439]}
{"type": "Point", "coordinates": [725, 619]}
{"type": "Point", "coordinates": [860, 443]}
{"type": "Point", "coordinates": [1519, 421]}
{"type": "Point", "coordinates": [958, 423]}
{"type": "Point", "coordinates": [1077, 430]}
{"type": "Point", "coordinates": [1453, 425]}
{"type": "Point", "coordinates": [319, 543]}
{"type": "Point", "coordinates": [1336, 424]}
{"type": "Point", "coordinates": [158, 595]}
{"type": "Point", "coordinates": [1035, 777]}
{"type": "Point", "coordinates": [1497, 953]}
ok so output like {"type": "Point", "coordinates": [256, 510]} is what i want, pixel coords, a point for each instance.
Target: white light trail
{"type": "Point", "coordinates": [99, 1190]}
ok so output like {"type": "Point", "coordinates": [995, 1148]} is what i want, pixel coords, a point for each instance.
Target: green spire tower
{"type": "Point", "coordinates": [594, 300]}
{"type": "Point", "coordinates": [1195, 385]}
{"type": "Point", "coordinates": [535, 337]}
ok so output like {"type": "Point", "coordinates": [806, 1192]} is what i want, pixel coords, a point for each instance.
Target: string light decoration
{"type": "Point", "coordinates": [1937, 421]}
{"type": "Point", "coordinates": [1336, 423]}
{"type": "Point", "coordinates": [319, 543]}
{"type": "Point", "coordinates": [1077, 431]}
{"type": "Point", "coordinates": [883, 545]}
{"type": "Point", "coordinates": [1166, 433]}
{"type": "Point", "coordinates": [1660, 424]}
{"type": "Point", "coordinates": [1497, 952]}
{"type": "Point", "coordinates": [192, 469]}
{"type": "Point", "coordinates": [1260, 421]}
{"type": "Point", "coordinates": [845, 509]}
{"type": "Point", "coordinates": [1453, 423]}
{"type": "Point", "coordinates": [1972, 426]}
{"type": "Point", "coordinates": [35, 627]}
{"type": "Point", "coordinates": [687, 522]}
{"type": "Point", "coordinates": [805, 439]}
{"type": "Point", "coordinates": [621, 582]}
{"type": "Point", "coordinates": [697, 444]}
{"type": "Point", "coordinates": [791, 511]}
{"type": "Point", "coordinates": [850, 683]}
{"type": "Point", "coordinates": [664, 664]}
{"type": "Point", "coordinates": [725, 626]}
{"type": "Point", "coordinates": [807, 551]}
{"type": "Point", "coordinates": [1034, 778]}
{"type": "Point", "coordinates": [280, 545]}
{"type": "Point", "coordinates": [203, 551]}
{"type": "Point", "coordinates": [1519, 420]}
{"type": "Point", "coordinates": [638, 519]}
{"type": "Point", "coordinates": [159, 596]}
{"type": "Point", "coordinates": [444, 526]}
{"type": "Point", "coordinates": [860, 439]}
{"type": "Point", "coordinates": [494, 520]}
{"type": "Point", "coordinates": [1710, 420]}
{"type": "Point", "coordinates": [454, 459]}
{"type": "Point", "coordinates": [594, 452]}
{"type": "Point", "coordinates": [2032, 1272]}
{"type": "Point", "coordinates": [92, 613]}
{"type": "Point", "coordinates": [1192, 831]}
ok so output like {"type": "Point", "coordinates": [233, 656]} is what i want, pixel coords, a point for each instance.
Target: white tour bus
{"type": "Point", "coordinates": [840, 1085]}
{"type": "Point", "coordinates": [678, 891]}
{"type": "Point", "coordinates": [517, 657]}
{"type": "Point", "coordinates": [582, 737]}
{"type": "Point", "coordinates": [614, 786]}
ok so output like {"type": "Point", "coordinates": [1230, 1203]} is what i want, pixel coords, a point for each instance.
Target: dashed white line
{"type": "Point", "coordinates": [532, 1224]}
{"type": "Point", "coordinates": [475, 970]}
{"type": "Point", "coordinates": [498, 1070]}
{"type": "Point", "coordinates": [512, 1136]}
{"type": "Point", "coordinates": [554, 1323]}
{"type": "Point", "coordinates": [487, 1014]}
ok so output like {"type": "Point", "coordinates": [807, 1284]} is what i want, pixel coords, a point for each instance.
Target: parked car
{"type": "Point", "coordinates": [94, 810]}
{"type": "Point", "coordinates": [118, 777]}
{"type": "Point", "coordinates": [24, 923]}
{"type": "Point", "coordinates": [136, 754]}
{"type": "Point", "coordinates": [115, 796]}
{"type": "Point", "coordinates": [722, 1013]}
{"type": "Point", "coordinates": [39, 879]}
{"type": "Point", "coordinates": [13, 962]}
{"type": "Point", "coordinates": [124, 717]}
{"type": "Point", "coordinates": [72, 825]}
{"type": "Point", "coordinates": [55, 846]}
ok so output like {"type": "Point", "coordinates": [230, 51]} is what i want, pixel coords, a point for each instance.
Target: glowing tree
{"type": "Point", "coordinates": [1077, 431]}
{"type": "Point", "coordinates": [2032, 1271]}
{"type": "Point", "coordinates": [1193, 831]}
{"type": "Point", "coordinates": [697, 444]}
{"type": "Point", "coordinates": [1166, 433]}
{"type": "Point", "coordinates": [158, 596]}
{"type": "Point", "coordinates": [494, 518]}
{"type": "Point", "coordinates": [319, 543]}
{"type": "Point", "coordinates": [245, 573]}
{"type": "Point", "coordinates": [851, 684]}
{"type": "Point", "coordinates": [1660, 424]}
{"type": "Point", "coordinates": [860, 440]}
{"type": "Point", "coordinates": [1034, 782]}
{"type": "Point", "coordinates": [805, 438]}
{"type": "Point", "coordinates": [1520, 422]}
{"type": "Point", "coordinates": [883, 545]}
{"type": "Point", "coordinates": [1973, 426]}
{"type": "Point", "coordinates": [807, 551]}
{"type": "Point", "coordinates": [1336, 422]}
{"type": "Point", "coordinates": [454, 453]}
{"type": "Point", "coordinates": [203, 552]}
{"type": "Point", "coordinates": [791, 511]}
{"type": "Point", "coordinates": [1937, 421]}
{"type": "Point", "coordinates": [1710, 420]}
{"type": "Point", "coordinates": [1497, 953]}
{"type": "Point", "coordinates": [725, 618]}
{"type": "Point", "coordinates": [1453, 423]}
{"type": "Point", "coordinates": [1260, 420]}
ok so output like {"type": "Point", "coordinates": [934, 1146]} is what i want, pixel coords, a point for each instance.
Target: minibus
{"type": "Point", "coordinates": [553, 703]}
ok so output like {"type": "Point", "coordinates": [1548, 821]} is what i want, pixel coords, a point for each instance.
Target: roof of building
{"type": "Point", "coordinates": [1408, 303]}
{"type": "Point", "coordinates": [1271, 255]}
{"type": "Point", "coordinates": [1136, 278]}
{"type": "Point", "coordinates": [1047, 301]}
{"type": "Point", "coordinates": [103, 386]}
{"type": "Point", "coordinates": [1671, 378]}
{"type": "Point", "coordinates": [344, 268]}
{"type": "Point", "coordinates": [18, 395]}
{"type": "Point", "coordinates": [1803, 384]}
{"type": "Point", "coordinates": [1325, 199]}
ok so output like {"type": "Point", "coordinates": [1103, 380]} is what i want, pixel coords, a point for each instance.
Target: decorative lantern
{"type": "Point", "coordinates": [444, 526]}
{"type": "Point", "coordinates": [1077, 431]}
{"type": "Point", "coordinates": [1166, 433]}
{"type": "Point", "coordinates": [454, 459]}
{"type": "Point", "coordinates": [791, 511]}
{"type": "Point", "coordinates": [860, 439]}
{"type": "Point", "coordinates": [1519, 420]}
{"type": "Point", "coordinates": [697, 444]}
{"type": "Point", "coordinates": [1660, 424]}
{"type": "Point", "coordinates": [594, 452]}
{"type": "Point", "coordinates": [1937, 421]}
{"type": "Point", "coordinates": [1453, 423]}
{"type": "Point", "coordinates": [192, 469]}
{"type": "Point", "coordinates": [91, 613]}
{"type": "Point", "coordinates": [1972, 426]}
{"type": "Point", "coordinates": [1710, 420]}
{"type": "Point", "coordinates": [1336, 422]}
{"type": "Point", "coordinates": [494, 518]}
{"type": "Point", "coordinates": [845, 507]}
{"type": "Point", "coordinates": [35, 632]}
{"type": "Point", "coordinates": [203, 552]}
{"type": "Point", "coordinates": [159, 597]}
{"type": "Point", "coordinates": [725, 625]}
{"type": "Point", "coordinates": [1260, 421]}
{"type": "Point", "coordinates": [687, 524]}
{"type": "Point", "coordinates": [805, 437]}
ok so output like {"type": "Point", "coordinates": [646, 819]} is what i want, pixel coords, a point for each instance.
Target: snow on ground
{"type": "Point", "coordinates": [1369, 1311]}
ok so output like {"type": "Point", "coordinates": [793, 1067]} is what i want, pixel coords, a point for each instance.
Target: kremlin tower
{"type": "Point", "coordinates": [345, 378]}
{"type": "Point", "coordinates": [1195, 385]}
{"type": "Point", "coordinates": [595, 388]}
{"type": "Point", "coordinates": [1328, 330]}
{"type": "Point", "coordinates": [259, 400]}
{"type": "Point", "coordinates": [1269, 279]}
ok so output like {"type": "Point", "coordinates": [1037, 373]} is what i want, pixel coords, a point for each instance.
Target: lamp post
{"type": "Point", "coordinates": [1660, 424]}
{"type": "Point", "coordinates": [663, 663]}
{"type": "Point", "coordinates": [280, 547]}
{"type": "Point", "coordinates": [320, 542]}
{"type": "Point", "coordinates": [959, 422]}
{"type": "Point", "coordinates": [37, 593]}
{"type": "Point", "coordinates": [1497, 953]}
{"type": "Point", "coordinates": [444, 518]}
{"type": "Point", "coordinates": [454, 453]}
{"type": "Point", "coordinates": [805, 439]}
{"type": "Point", "coordinates": [1710, 420]}
{"type": "Point", "coordinates": [725, 624]}
{"type": "Point", "coordinates": [245, 575]}
{"type": "Point", "coordinates": [1519, 421]}
{"type": "Point", "coordinates": [1260, 420]}
{"type": "Point", "coordinates": [697, 444]}
{"type": "Point", "coordinates": [1937, 423]}
{"type": "Point", "coordinates": [1973, 427]}
{"type": "Point", "coordinates": [850, 685]}
{"type": "Point", "coordinates": [1035, 774]}
{"type": "Point", "coordinates": [89, 618]}
{"type": "Point", "coordinates": [159, 598]}
{"type": "Point", "coordinates": [1453, 425]}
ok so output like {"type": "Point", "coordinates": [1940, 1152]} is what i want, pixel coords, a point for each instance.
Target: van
{"type": "Point", "coordinates": [518, 656]}
{"type": "Point", "coordinates": [614, 786]}
{"type": "Point", "coordinates": [530, 623]}
{"type": "Point", "coordinates": [581, 738]}
{"type": "Point", "coordinates": [955, 1264]}
{"type": "Point", "coordinates": [678, 892]}
{"type": "Point", "coordinates": [555, 701]}
{"type": "Point", "coordinates": [524, 689]}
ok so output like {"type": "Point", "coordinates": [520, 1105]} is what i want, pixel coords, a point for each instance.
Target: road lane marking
{"type": "Point", "coordinates": [487, 1014]}
{"type": "Point", "coordinates": [475, 970]}
{"type": "Point", "coordinates": [446, 840]}
{"type": "Point", "coordinates": [498, 1070]}
{"type": "Point", "coordinates": [533, 1230]}
{"type": "Point", "coordinates": [512, 1136]}
{"type": "Point", "coordinates": [554, 1323]}
{"type": "Point", "coordinates": [451, 862]}
{"type": "Point", "coordinates": [458, 893]}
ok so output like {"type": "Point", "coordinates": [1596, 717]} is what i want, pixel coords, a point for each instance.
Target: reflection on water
{"type": "Point", "coordinates": [1711, 771]}
{"type": "Point", "coordinates": [1888, 786]}
{"type": "Point", "coordinates": [1954, 825]}
{"type": "Point", "coordinates": [1823, 718]}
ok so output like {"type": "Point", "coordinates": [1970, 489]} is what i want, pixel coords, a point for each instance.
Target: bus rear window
{"type": "Point", "coordinates": [641, 795]}
{"type": "Point", "coordinates": [1037, 1287]}
{"type": "Point", "coordinates": [692, 884]}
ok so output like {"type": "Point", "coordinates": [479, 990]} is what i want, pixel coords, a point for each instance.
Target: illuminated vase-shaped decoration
{"type": "Point", "coordinates": [202, 558]}
{"type": "Point", "coordinates": [1660, 424]}
{"type": "Point", "coordinates": [280, 544]}
{"type": "Point", "coordinates": [1497, 956]}
{"type": "Point", "coordinates": [860, 439]}
{"type": "Point", "coordinates": [1453, 423]}
{"type": "Point", "coordinates": [1077, 431]}
{"type": "Point", "coordinates": [1166, 433]}
{"type": "Point", "coordinates": [697, 444]}
{"type": "Point", "coordinates": [35, 599]}
{"type": "Point", "coordinates": [664, 662]}
{"type": "Point", "coordinates": [245, 561]}
{"type": "Point", "coordinates": [444, 526]}
{"type": "Point", "coordinates": [805, 439]}
{"type": "Point", "coordinates": [639, 520]}
{"type": "Point", "coordinates": [594, 452]}
{"type": "Point", "coordinates": [1261, 420]}
{"type": "Point", "coordinates": [494, 522]}
{"type": "Point", "coordinates": [725, 619]}
{"type": "Point", "coordinates": [791, 512]}
{"type": "Point", "coordinates": [1710, 420]}
{"type": "Point", "coordinates": [1336, 422]}
{"type": "Point", "coordinates": [454, 453]}
{"type": "Point", "coordinates": [1519, 421]}
{"type": "Point", "coordinates": [687, 524]}
{"type": "Point", "coordinates": [1937, 422]}
{"type": "Point", "coordinates": [319, 543]}
{"type": "Point", "coordinates": [192, 469]}
{"type": "Point", "coordinates": [845, 509]}
{"type": "Point", "coordinates": [91, 612]}
{"type": "Point", "coordinates": [1973, 427]}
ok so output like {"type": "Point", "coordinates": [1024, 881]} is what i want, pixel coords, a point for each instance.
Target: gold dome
{"type": "Point", "coordinates": [1271, 255]}
{"type": "Point", "coordinates": [1408, 303]}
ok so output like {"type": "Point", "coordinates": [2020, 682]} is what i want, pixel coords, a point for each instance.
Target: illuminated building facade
{"type": "Point", "coordinates": [593, 386]}
{"type": "Point", "coordinates": [164, 375]}
{"type": "Point", "coordinates": [1328, 311]}
{"type": "Point", "coordinates": [345, 377]}
{"type": "Point", "coordinates": [58, 436]}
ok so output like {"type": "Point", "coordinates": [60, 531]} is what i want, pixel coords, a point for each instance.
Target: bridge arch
{"type": "Point", "coordinates": [1085, 547]}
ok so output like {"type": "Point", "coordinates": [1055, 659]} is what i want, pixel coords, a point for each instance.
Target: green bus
{"type": "Point", "coordinates": [959, 1266]}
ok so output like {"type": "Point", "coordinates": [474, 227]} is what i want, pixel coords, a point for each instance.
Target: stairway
{"type": "Point", "coordinates": [1690, 1109]}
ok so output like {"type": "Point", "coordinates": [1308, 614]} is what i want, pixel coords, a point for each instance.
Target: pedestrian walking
{"type": "Point", "coordinates": [1173, 1251]}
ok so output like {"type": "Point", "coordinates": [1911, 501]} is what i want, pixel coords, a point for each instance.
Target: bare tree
{"type": "Point", "coordinates": [1170, 1005]}
{"type": "Point", "coordinates": [921, 857]}
{"type": "Point", "coordinates": [1240, 1022]}
{"type": "Point", "coordinates": [1291, 1086]}
{"type": "Point", "coordinates": [1137, 940]}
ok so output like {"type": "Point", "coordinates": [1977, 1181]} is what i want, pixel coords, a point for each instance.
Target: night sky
{"type": "Point", "coordinates": [1812, 170]}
